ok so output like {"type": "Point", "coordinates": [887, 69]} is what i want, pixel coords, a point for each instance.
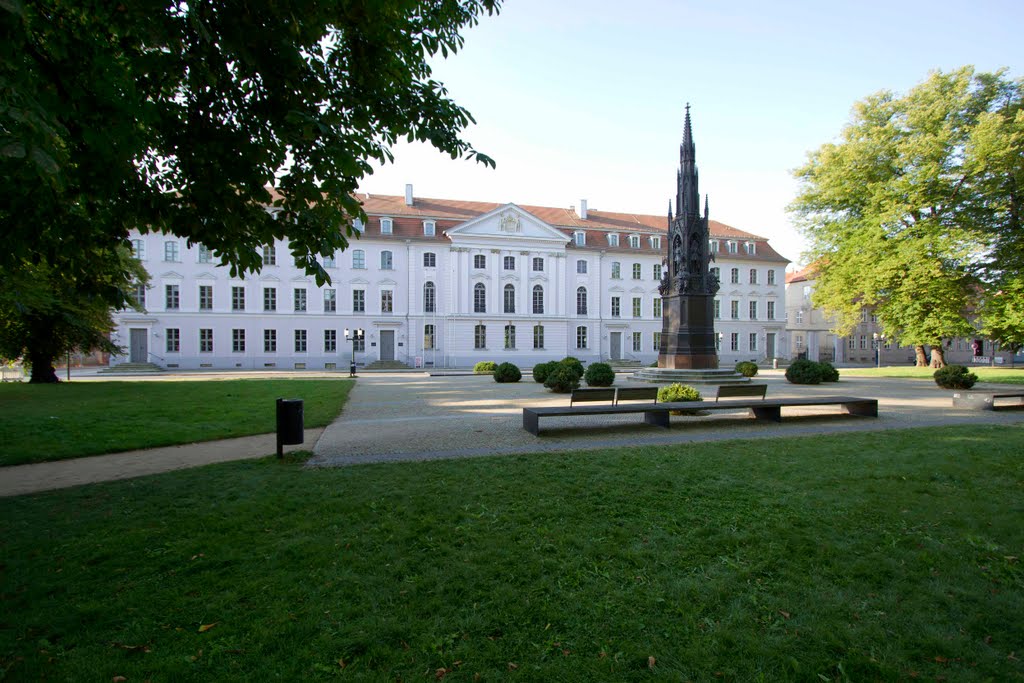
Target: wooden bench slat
{"type": "Point", "coordinates": [732, 390]}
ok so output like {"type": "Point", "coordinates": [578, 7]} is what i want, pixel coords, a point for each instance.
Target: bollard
{"type": "Point", "coordinates": [289, 423]}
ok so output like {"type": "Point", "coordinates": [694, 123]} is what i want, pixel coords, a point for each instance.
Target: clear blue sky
{"type": "Point", "coordinates": [584, 99]}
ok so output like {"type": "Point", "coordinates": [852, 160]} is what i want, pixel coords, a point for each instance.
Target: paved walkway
{"type": "Point", "coordinates": [411, 416]}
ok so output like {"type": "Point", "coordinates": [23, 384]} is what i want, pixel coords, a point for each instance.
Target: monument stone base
{"type": "Point", "coordinates": [690, 376]}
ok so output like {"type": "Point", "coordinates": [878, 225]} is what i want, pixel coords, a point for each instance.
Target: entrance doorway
{"type": "Point", "coordinates": [138, 346]}
{"type": "Point", "coordinates": [769, 345]}
{"type": "Point", "coordinates": [387, 344]}
{"type": "Point", "coordinates": [616, 345]}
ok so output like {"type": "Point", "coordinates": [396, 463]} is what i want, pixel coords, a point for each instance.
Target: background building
{"type": "Point", "coordinates": [448, 283]}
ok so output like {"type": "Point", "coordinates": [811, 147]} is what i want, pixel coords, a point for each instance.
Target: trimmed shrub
{"type": "Point", "coordinates": [679, 392]}
{"type": "Point", "coordinates": [484, 366]}
{"type": "Point", "coordinates": [955, 377]}
{"type": "Point", "coordinates": [804, 372]}
{"type": "Point", "coordinates": [599, 375]}
{"type": "Point", "coordinates": [573, 363]}
{"type": "Point", "coordinates": [507, 372]}
{"type": "Point", "coordinates": [747, 368]}
{"type": "Point", "coordinates": [828, 372]}
{"type": "Point", "coordinates": [542, 370]}
{"type": "Point", "coordinates": [562, 379]}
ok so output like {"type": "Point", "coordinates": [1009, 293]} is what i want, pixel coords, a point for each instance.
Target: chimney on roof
{"type": "Point", "coordinates": [408, 195]}
{"type": "Point", "coordinates": [583, 209]}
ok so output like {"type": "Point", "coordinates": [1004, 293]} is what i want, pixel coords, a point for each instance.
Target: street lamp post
{"type": "Point", "coordinates": [353, 336]}
{"type": "Point", "coordinates": [879, 340]}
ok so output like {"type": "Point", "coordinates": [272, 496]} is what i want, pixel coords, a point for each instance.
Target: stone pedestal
{"type": "Point", "coordinates": [688, 333]}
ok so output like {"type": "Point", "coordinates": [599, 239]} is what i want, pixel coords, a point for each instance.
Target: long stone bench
{"type": "Point", "coordinates": [657, 414]}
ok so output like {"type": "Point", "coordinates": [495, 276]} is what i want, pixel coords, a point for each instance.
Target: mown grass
{"type": "Point", "coordinates": [875, 556]}
{"type": "Point", "coordinates": [985, 374]}
{"type": "Point", "coordinates": [39, 423]}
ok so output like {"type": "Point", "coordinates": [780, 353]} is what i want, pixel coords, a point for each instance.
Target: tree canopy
{"type": "Point", "coordinates": [192, 118]}
{"type": "Point", "coordinates": [917, 208]}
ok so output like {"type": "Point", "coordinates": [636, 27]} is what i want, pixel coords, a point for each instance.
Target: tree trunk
{"type": "Point", "coordinates": [42, 350]}
{"type": "Point", "coordinates": [922, 358]}
{"type": "Point", "coordinates": [938, 359]}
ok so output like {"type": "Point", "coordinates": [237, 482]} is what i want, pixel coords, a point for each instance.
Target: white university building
{"type": "Point", "coordinates": [448, 283]}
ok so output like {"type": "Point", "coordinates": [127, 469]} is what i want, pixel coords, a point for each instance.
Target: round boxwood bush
{"type": "Point", "coordinates": [828, 372]}
{"type": "Point", "coordinates": [679, 392]}
{"type": "Point", "coordinates": [573, 363]}
{"type": "Point", "coordinates": [562, 379]}
{"type": "Point", "coordinates": [484, 366]}
{"type": "Point", "coordinates": [955, 377]}
{"type": "Point", "coordinates": [507, 372]}
{"type": "Point", "coordinates": [747, 368]}
{"type": "Point", "coordinates": [599, 375]}
{"type": "Point", "coordinates": [804, 372]}
{"type": "Point", "coordinates": [542, 370]}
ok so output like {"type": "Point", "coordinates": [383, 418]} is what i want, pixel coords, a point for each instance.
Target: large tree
{"type": "Point", "coordinates": [907, 211]}
{"type": "Point", "coordinates": [194, 117]}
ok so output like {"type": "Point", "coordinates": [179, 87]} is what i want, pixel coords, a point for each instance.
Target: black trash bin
{"type": "Point", "coordinates": [289, 423]}
{"type": "Point", "coordinates": [352, 369]}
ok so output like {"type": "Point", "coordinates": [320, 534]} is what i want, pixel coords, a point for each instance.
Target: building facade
{"type": "Point", "coordinates": [447, 283]}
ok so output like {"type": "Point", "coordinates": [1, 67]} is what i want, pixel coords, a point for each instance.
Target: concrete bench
{"type": "Point", "coordinates": [735, 390]}
{"type": "Point", "coordinates": [986, 400]}
{"type": "Point", "coordinates": [657, 414]}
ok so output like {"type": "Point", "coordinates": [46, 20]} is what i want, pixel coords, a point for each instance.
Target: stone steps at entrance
{"type": "Point", "coordinates": [387, 365]}
{"type": "Point", "coordinates": [133, 368]}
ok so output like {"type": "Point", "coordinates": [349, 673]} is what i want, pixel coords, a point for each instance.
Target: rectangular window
{"type": "Point", "coordinates": [634, 241]}
{"type": "Point", "coordinates": [734, 276]}
{"type": "Point", "coordinates": [330, 341]}
{"type": "Point", "coordinates": [386, 301]}
{"type": "Point", "coordinates": [300, 341]}
{"type": "Point", "coordinates": [386, 226]}
{"type": "Point", "coordinates": [429, 298]}
{"type": "Point", "coordinates": [637, 342]}
{"type": "Point", "coordinates": [613, 240]}
{"type": "Point", "coordinates": [655, 243]}
{"type": "Point", "coordinates": [734, 310]}
{"type": "Point", "coordinates": [657, 341]}
{"type": "Point", "coordinates": [637, 305]}
{"type": "Point", "coordinates": [480, 337]}
{"type": "Point", "coordinates": [657, 307]}
{"type": "Point", "coordinates": [204, 254]}
{"type": "Point", "coordinates": [205, 297]}
{"type": "Point", "coordinates": [852, 343]}
{"type": "Point", "coordinates": [429, 228]}
{"type": "Point", "coordinates": [171, 251]}
{"type": "Point", "coordinates": [581, 337]}
{"type": "Point", "coordinates": [733, 247]}
{"type": "Point", "coordinates": [358, 301]}
{"type": "Point", "coordinates": [800, 317]}
{"type": "Point", "coordinates": [718, 309]}
{"type": "Point", "coordinates": [172, 297]}
{"type": "Point", "coordinates": [173, 335]}
{"type": "Point", "coordinates": [300, 299]}
{"type": "Point", "coordinates": [615, 307]}
{"type": "Point", "coordinates": [771, 276]}
{"type": "Point", "coordinates": [771, 309]}
{"type": "Point", "coordinates": [269, 299]}
{"type": "Point", "coordinates": [714, 246]}
{"type": "Point", "coordinates": [428, 337]}
{"type": "Point", "coordinates": [269, 255]}
{"type": "Point", "coordinates": [509, 263]}
{"type": "Point", "coordinates": [510, 336]}
{"type": "Point", "coordinates": [387, 260]}
{"type": "Point", "coordinates": [430, 260]}
{"type": "Point", "coordinates": [616, 270]}
{"type": "Point", "coordinates": [748, 247]}
{"type": "Point", "coordinates": [734, 341]}
{"type": "Point", "coordinates": [238, 298]}
{"type": "Point", "coordinates": [358, 259]}
{"type": "Point", "coordinates": [238, 341]}
{"type": "Point", "coordinates": [657, 271]}
{"type": "Point", "coordinates": [753, 276]}
{"type": "Point", "coordinates": [330, 300]}
{"type": "Point", "coordinates": [139, 249]}
{"type": "Point", "coordinates": [799, 342]}
{"type": "Point", "coordinates": [269, 341]}
{"type": "Point", "coordinates": [479, 261]}
{"type": "Point", "coordinates": [753, 341]}
{"type": "Point", "coordinates": [206, 340]}
{"type": "Point", "coordinates": [636, 271]}
{"type": "Point", "coordinates": [753, 310]}
{"type": "Point", "coordinates": [580, 238]}
{"type": "Point", "coordinates": [538, 336]}
{"type": "Point", "coordinates": [538, 264]}
{"type": "Point", "coordinates": [581, 267]}
{"type": "Point", "coordinates": [863, 342]}
{"type": "Point", "coordinates": [359, 343]}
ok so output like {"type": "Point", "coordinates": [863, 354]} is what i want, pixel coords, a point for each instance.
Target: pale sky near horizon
{"type": "Point", "coordinates": [585, 100]}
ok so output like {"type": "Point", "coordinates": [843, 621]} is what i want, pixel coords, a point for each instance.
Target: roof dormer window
{"type": "Point", "coordinates": [613, 240]}
{"type": "Point", "coordinates": [580, 239]}
{"type": "Point", "coordinates": [714, 246]}
{"type": "Point", "coordinates": [634, 241]}
{"type": "Point", "coordinates": [732, 247]}
{"type": "Point", "coordinates": [386, 226]}
{"type": "Point", "coordinates": [655, 242]}
{"type": "Point", "coordinates": [749, 247]}
{"type": "Point", "coordinates": [429, 228]}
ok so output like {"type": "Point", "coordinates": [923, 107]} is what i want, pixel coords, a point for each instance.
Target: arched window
{"type": "Point", "coordinates": [428, 297]}
{"type": "Point", "coordinates": [510, 299]}
{"type": "Point", "coordinates": [386, 260]}
{"type": "Point", "coordinates": [538, 299]}
{"type": "Point", "coordinates": [358, 259]}
{"type": "Point", "coordinates": [581, 301]}
{"type": "Point", "coordinates": [479, 298]}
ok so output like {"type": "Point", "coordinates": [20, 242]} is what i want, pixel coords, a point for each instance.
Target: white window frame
{"type": "Point", "coordinates": [429, 228]}
{"type": "Point", "coordinates": [387, 226]}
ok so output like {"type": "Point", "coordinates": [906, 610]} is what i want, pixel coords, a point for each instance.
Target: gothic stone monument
{"type": "Point", "coordinates": [688, 286]}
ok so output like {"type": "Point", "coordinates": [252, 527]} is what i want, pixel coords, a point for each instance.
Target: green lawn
{"type": "Point", "coordinates": [984, 373]}
{"type": "Point", "coordinates": [871, 556]}
{"type": "Point", "coordinates": [54, 422]}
